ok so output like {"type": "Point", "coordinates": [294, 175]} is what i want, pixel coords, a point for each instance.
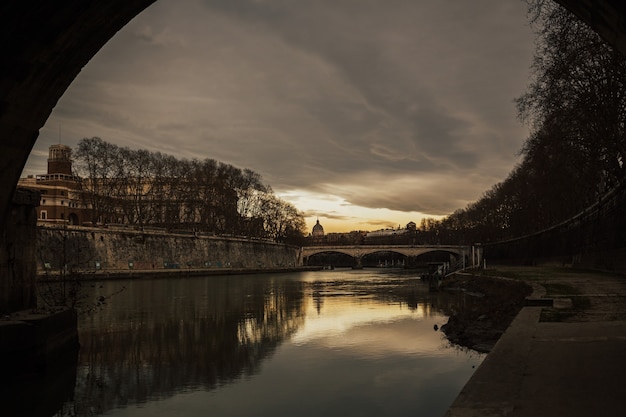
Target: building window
{"type": "Point", "coordinates": [43, 201]}
{"type": "Point", "coordinates": [44, 215]}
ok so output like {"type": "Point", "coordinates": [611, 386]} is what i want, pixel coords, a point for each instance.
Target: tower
{"type": "Point", "coordinates": [60, 160]}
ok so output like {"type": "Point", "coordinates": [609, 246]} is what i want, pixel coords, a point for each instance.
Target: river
{"type": "Point", "coordinates": [323, 343]}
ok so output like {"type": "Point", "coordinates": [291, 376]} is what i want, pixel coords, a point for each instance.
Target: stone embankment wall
{"type": "Point", "coordinates": [17, 254]}
{"type": "Point", "coordinates": [82, 249]}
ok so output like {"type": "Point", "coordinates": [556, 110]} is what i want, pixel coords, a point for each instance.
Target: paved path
{"type": "Point", "coordinates": [575, 366]}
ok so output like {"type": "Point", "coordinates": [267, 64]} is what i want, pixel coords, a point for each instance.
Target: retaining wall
{"type": "Point", "coordinates": [17, 254]}
{"type": "Point", "coordinates": [66, 248]}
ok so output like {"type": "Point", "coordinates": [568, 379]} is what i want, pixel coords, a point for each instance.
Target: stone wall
{"type": "Point", "coordinates": [17, 254]}
{"type": "Point", "coordinates": [118, 248]}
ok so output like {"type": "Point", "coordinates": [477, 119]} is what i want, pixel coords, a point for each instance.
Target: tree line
{"type": "Point", "coordinates": [142, 188]}
{"type": "Point", "coordinates": [575, 107]}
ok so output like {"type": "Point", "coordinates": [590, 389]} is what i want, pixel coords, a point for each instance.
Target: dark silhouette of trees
{"type": "Point", "coordinates": [575, 106]}
{"type": "Point", "coordinates": [143, 188]}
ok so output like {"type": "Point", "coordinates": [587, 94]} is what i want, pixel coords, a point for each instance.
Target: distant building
{"type": "Point", "coordinates": [354, 237]}
{"type": "Point", "coordinates": [386, 232]}
{"type": "Point", "coordinates": [318, 230]}
{"type": "Point", "coordinates": [60, 190]}
{"type": "Point", "coordinates": [390, 236]}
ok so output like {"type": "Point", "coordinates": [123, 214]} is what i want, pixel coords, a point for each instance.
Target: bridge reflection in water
{"type": "Point", "coordinates": [333, 342]}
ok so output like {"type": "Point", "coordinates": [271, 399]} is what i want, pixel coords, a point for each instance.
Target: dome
{"type": "Point", "coordinates": [318, 230]}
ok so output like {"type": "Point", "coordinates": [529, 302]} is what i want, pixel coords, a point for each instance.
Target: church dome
{"type": "Point", "coordinates": [318, 230]}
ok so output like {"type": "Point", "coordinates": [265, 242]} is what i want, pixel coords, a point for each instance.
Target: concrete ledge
{"type": "Point", "coordinates": [29, 341]}
{"type": "Point", "coordinates": [494, 388]}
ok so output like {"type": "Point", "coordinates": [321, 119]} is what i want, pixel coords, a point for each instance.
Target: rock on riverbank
{"type": "Point", "coordinates": [492, 304]}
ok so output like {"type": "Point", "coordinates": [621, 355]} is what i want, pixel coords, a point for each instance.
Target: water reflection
{"type": "Point", "coordinates": [162, 336]}
{"type": "Point", "coordinates": [39, 394]}
{"type": "Point", "coordinates": [333, 342]}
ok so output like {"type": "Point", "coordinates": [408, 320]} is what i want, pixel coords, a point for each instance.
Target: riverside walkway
{"type": "Point", "coordinates": [565, 360]}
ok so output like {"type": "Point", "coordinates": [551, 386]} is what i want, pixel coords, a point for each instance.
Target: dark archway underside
{"type": "Point", "coordinates": [45, 44]}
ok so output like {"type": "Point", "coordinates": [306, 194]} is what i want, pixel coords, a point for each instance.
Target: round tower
{"type": "Point", "coordinates": [60, 160]}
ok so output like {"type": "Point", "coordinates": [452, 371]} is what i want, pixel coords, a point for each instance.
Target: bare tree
{"type": "Point", "coordinates": [143, 188]}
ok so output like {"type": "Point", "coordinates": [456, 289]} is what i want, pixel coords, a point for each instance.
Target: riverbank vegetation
{"type": "Point", "coordinates": [575, 107]}
{"type": "Point", "coordinates": [491, 305]}
{"type": "Point", "coordinates": [142, 188]}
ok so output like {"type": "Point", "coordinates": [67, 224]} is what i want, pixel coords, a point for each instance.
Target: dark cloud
{"type": "Point", "coordinates": [327, 215]}
{"type": "Point", "coordinates": [396, 104]}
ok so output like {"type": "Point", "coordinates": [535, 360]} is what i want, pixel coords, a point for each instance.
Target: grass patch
{"type": "Point", "coordinates": [526, 273]}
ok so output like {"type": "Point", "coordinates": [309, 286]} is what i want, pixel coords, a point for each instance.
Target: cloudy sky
{"type": "Point", "coordinates": [364, 113]}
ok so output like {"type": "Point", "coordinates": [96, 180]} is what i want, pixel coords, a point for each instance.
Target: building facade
{"type": "Point", "coordinates": [61, 198]}
{"type": "Point", "coordinates": [318, 230]}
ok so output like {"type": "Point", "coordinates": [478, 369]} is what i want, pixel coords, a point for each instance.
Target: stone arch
{"type": "Point", "coordinates": [438, 253]}
{"type": "Point", "coordinates": [314, 256]}
{"type": "Point", "coordinates": [378, 251]}
{"type": "Point", "coordinates": [46, 44]}
{"type": "Point", "coordinates": [606, 17]}
{"type": "Point", "coordinates": [343, 252]}
{"type": "Point", "coordinates": [380, 257]}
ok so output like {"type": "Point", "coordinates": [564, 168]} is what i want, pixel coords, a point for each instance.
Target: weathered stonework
{"type": "Point", "coordinates": [44, 45]}
{"type": "Point", "coordinates": [81, 249]}
{"type": "Point", "coordinates": [18, 254]}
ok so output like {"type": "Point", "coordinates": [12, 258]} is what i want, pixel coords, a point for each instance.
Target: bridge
{"type": "Point", "coordinates": [464, 255]}
{"type": "Point", "coordinates": [45, 44]}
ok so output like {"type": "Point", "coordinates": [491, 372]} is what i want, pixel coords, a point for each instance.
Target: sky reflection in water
{"type": "Point", "coordinates": [332, 343]}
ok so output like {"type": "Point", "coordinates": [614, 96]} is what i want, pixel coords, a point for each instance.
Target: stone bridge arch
{"type": "Point", "coordinates": [467, 254]}
{"type": "Point", "coordinates": [44, 45]}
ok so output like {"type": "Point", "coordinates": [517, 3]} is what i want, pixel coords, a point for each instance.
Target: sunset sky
{"type": "Point", "coordinates": [363, 113]}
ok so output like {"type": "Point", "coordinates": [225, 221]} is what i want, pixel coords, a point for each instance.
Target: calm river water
{"type": "Point", "coordinates": [325, 343]}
